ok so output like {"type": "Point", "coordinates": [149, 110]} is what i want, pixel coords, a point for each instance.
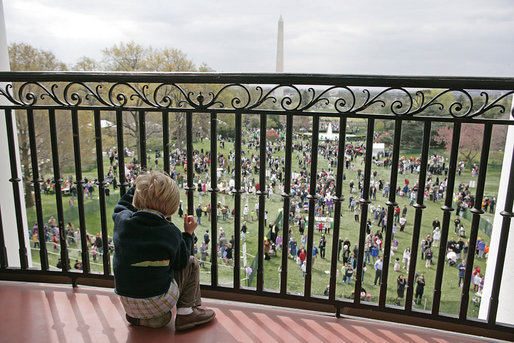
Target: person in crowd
{"type": "Point", "coordinates": [396, 266]}
{"type": "Point", "coordinates": [400, 289]}
{"type": "Point", "coordinates": [204, 251]}
{"type": "Point", "coordinates": [199, 214]}
{"type": "Point", "coordinates": [436, 235]}
{"type": "Point", "coordinates": [267, 247]}
{"type": "Point", "coordinates": [293, 245]}
{"type": "Point", "coordinates": [77, 265]}
{"type": "Point", "coordinates": [420, 287]}
{"type": "Point", "coordinates": [302, 256]}
{"type": "Point", "coordinates": [462, 271]}
{"type": "Point", "coordinates": [428, 257]}
{"type": "Point", "coordinates": [406, 257]}
{"type": "Point", "coordinates": [378, 271]}
{"type": "Point", "coordinates": [477, 280]}
{"type": "Point", "coordinates": [322, 246]}
{"type": "Point", "coordinates": [456, 221]}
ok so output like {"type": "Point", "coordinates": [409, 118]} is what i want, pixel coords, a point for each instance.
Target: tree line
{"type": "Point", "coordinates": [132, 57]}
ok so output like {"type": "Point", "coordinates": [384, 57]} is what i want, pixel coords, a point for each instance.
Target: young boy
{"type": "Point", "coordinates": [153, 265]}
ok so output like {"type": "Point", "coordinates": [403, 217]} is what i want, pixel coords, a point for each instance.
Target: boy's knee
{"type": "Point", "coordinates": [194, 262]}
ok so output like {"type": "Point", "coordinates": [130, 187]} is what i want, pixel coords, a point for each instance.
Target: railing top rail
{"type": "Point", "coordinates": [454, 82]}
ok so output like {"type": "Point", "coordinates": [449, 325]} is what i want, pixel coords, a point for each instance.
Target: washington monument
{"type": "Point", "coordinates": [280, 46]}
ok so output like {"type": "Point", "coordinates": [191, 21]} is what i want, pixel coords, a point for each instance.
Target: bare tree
{"type": "Point", "coordinates": [24, 57]}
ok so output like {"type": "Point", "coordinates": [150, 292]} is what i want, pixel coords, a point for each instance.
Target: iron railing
{"type": "Point", "coordinates": [370, 98]}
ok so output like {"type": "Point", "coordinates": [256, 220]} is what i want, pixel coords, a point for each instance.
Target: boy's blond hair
{"type": "Point", "coordinates": [156, 191]}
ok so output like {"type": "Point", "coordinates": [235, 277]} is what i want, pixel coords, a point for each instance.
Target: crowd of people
{"type": "Point", "coordinates": [324, 204]}
{"type": "Point", "coordinates": [72, 236]}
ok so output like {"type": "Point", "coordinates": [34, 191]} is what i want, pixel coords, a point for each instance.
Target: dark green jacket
{"type": "Point", "coordinates": [147, 249]}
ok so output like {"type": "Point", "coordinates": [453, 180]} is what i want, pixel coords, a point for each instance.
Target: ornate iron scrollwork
{"type": "Point", "coordinates": [397, 101]}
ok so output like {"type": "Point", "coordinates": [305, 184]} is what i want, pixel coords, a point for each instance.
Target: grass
{"type": "Point", "coordinates": [451, 294]}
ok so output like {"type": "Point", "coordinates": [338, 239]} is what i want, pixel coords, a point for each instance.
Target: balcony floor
{"type": "Point", "coordinates": [59, 313]}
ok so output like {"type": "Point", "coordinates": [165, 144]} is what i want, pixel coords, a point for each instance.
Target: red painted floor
{"type": "Point", "coordinates": [59, 313]}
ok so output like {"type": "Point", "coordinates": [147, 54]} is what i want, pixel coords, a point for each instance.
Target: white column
{"type": "Point", "coordinates": [6, 189]}
{"type": "Point", "coordinates": [506, 300]}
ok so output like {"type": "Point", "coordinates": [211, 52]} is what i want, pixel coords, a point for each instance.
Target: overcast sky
{"type": "Point", "coordinates": [394, 37]}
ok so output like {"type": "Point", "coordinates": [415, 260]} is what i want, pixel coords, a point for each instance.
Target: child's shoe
{"type": "Point", "coordinates": [155, 322]}
{"type": "Point", "coordinates": [197, 317]}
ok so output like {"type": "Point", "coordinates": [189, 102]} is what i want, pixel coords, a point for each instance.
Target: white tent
{"type": "Point", "coordinates": [378, 148]}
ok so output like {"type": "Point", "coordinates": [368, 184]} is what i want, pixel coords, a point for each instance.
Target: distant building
{"type": "Point", "coordinates": [280, 46]}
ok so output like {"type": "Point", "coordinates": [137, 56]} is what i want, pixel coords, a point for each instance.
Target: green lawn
{"type": "Point", "coordinates": [450, 300]}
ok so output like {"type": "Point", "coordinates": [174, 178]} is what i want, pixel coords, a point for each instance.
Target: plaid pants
{"type": "Point", "coordinates": [184, 291]}
{"type": "Point", "coordinates": [146, 308]}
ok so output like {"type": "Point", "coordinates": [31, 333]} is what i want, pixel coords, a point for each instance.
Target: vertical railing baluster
{"type": "Point", "coordinates": [166, 141]}
{"type": "Point", "coordinates": [447, 209]}
{"type": "Point", "coordinates": [391, 204]}
{"type": "Point", "coordinates": [190, 188]}
{"type": "Point", "coordinates": [502, 247]}
{"type": "Point", "coordinates": [36, 181]}
{"type": "Point", "coordinates": [102, 184]}
{"type": "Point", "coordinates": [142, 139]}
{"type": "Point", "coordinates": [15, 181]}
{"type": "Point", "coordinates": [80, 190]}
{"type": "Point", "coordinates": [364, 203]}
{"type": "Point", "coordinates": [477, 212]}
{"type": "Point", "coordinates": [3, 251]}
{"type": "Point", "coordinates": [312, 201]}
{"type": "Point", "coordinates": [214, 195]}
{"type": "Point", "coordinates": [341, 150]}
{"type": "Point", "coordinates": [237, 201]}
{"type": "Point", "coordinates": [262, 203]}
{"type": "Point", "coordinates": [57, 181]}
{"type": "Point", "coordinates": [419, 207]}
{"type": "Point", "coordinates": [287, 202]}
{"type": "Point", "coordinates": [121, 152]}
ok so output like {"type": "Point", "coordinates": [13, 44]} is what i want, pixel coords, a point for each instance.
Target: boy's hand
{"type": "Point", "coordinates": [190, 224]}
